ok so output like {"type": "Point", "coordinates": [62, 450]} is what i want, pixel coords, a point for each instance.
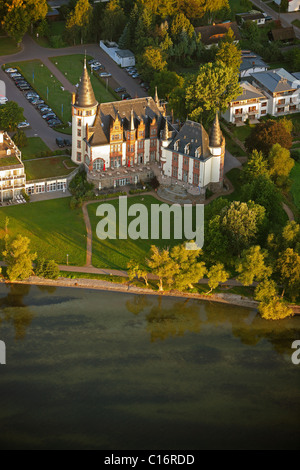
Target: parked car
{"type": "Point", "coordinates": [91, 61]}
{"type": "Point", "coordinates": [15, 74]}
{"type": "Point", "coordinates": [120, 89]}
{"type": "Point", "coordinates": [23, 124]}
{"type": "Point", "coordinates": [95, 64]}
{"type": "Point", "coordinates": [24, 87]}
{"type": "Point", "coordinates": [44, 109]}
{"type": "Point", "coordinates": [51, 117]}
{"type": "Point", "coordinates": [60, 142]}
{"type": "Point", "coordinates": [104, 74]}
{"type": "Point", "coordinates": [54, 122]}
{"type": "Point", "coordinates": [126, 96]}
{"type": "Point", "coordinates": [3, 99]}
{"type": "Point", "coordinates": [37, 101]}
{"type": "Point", "coordinates": [135, 75]}
{"type": "Point", "coordinates": [31, 94]}
{"type": "Point", "coordinates": [48, 115]}
{"type": "Point", "coordinates": [11, 70]}
{"type": "Point", "coordinates": [67, 142]}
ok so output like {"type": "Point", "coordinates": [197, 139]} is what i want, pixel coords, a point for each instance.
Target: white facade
{"type": "Point", "coordinates": [12, 173]}
{"type": "Point", "coordinates": [294, 5]}
{"type": "Point", "coordinates": [121, 57]}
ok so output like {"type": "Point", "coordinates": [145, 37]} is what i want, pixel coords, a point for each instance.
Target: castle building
{"type": "Point", "coordinates": [119, 143]}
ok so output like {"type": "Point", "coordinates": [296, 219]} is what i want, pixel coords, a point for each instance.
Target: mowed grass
{"type": "Point", "coordinates": [40, 78]}
{"type": "Point", "coordinates": [48, 167]}
{"type": "Point", "coordinates": [34, 147]}
{"type": "Point", "coordinates": [72, 67]}
{"type": "Point", "coordinates": [295, 189]}
{"type": "Point", "coordinates": [54, 229]}
{"type": "Point", "coordinates": [8, 46]}
{"type": "Point", "coordinates": [116, 253]}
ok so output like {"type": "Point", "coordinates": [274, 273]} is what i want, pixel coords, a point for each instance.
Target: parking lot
{"type": "Point", "coordinates": [119, 78]}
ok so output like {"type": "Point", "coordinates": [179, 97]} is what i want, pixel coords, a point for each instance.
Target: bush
{"type": "Point", "coordinates": [47, 268]}
{"type": "Point", "coordinates": [20, 138]}
{"type": "Point", "coordinates": [25, 195]}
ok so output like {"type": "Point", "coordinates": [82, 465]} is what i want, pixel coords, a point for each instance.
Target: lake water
{"type": "Point", "coordinates": [97, 370]}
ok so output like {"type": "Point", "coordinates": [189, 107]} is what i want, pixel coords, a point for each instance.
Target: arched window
{"type": "Point", "coordinates": [87, 160]}
{"type": "Point", "coordinates": [98, 164]}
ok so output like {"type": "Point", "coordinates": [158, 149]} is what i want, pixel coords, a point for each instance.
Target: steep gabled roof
{"type": "Point", "coordinates": [195, 135]}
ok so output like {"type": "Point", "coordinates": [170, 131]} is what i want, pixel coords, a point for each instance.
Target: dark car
{"type": "Point", "coordinates": [126, 96]}
{"type": "Point", "coordinates": [67, 142]}
{"type": "Point", "coordinates": [54, 122]}
{"type": "Point", "coordinates": [60, 142]}
{"type": "Point", "coordinates": [120, 89]}
{"type": "Point", "coordinates": [49, 116]}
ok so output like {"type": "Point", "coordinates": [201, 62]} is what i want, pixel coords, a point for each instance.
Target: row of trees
{"type": "Point", "coordinates": [181, 269]}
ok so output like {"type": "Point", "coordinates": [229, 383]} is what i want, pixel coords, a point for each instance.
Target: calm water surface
{"type": "Point", "coordinates": [96, 370]}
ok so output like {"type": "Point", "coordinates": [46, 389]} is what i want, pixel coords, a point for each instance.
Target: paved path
{"type": "Point", "coordinates": [288, 211]}
{"type": "Point", "coordinates": [31, 50]}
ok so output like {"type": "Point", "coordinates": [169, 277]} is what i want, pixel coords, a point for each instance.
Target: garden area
{"type": "Point", "coordinates": [53, 229]}
{"type": "Point", "coordinates": [8, 45]}
{"type": "Point", "coordinates": [47, 86]}
{"type": "Point", "coordinates": [72, 67]}
{"type": "Point", "coordinates": [48, 167]}
{"type": "Point", "coordinates": [52, 35]}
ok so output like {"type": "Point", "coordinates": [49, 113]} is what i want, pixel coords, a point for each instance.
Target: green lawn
{"type": "Point", "coordinates": [41, 79]}
{"type": "Point", "coordinates": [8, 46]}
{"type": "Point", "coordinates": [34, 147]}
{"type": "Point", "coordinates": [115, 254]}
{"type": "Point", "coordinates": [54, 230]}
{"type": "Point", "coordinates": [295, 189]}
{"type": "Point", "coordinates": [48, 167]}
{"type": "Point", "coordinates": [72, 67]}
{"type": "Point", "coordinates": [239, 6]}
{"type": "Point", "coordinates": [296, 23]}
{"type": "Point", "coordinates": [242, 132]}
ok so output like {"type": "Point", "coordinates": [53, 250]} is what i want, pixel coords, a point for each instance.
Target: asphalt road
{"type": "Point", "coordinates": [285, 18]}
{"type": "Point", "coordinates": [31, 50]}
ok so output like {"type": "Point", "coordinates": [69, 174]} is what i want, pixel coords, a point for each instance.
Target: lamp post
{"type": "Point", "coordinates": [67, 260]}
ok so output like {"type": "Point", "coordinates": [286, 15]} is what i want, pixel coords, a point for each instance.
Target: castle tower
{"type": "Point", "coordinates": [84, 108]}
{"type": "Point", "coordinates": [217, 149]}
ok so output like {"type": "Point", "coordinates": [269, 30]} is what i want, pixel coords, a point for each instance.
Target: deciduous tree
{"type": "Point", "coordinates": [19, 258]}
{"type": "Point", "coordinates": [216, 274]}
{"type": "Point", "coordinates": [252, 266]}
{"type": "Point", "coordinates": [10, 116]}
{"type": "Point", "coordinates": [190, 269]}
{"type": "Point", "coordinates": [265, 134]}
{"type": "Point", "coordinates": [163, 266]}
{"type": "Point", "coordinates": [280, 164]}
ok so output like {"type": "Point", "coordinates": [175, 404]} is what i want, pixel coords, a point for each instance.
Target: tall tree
{"type": "Point", "coordinates": [256, 165]}
{"type": "Point", "coordinates": [230, 55]}
{"type": "Point", "coordinates": [213, 88]}
{"type": "Point", "coordinates": [10, 116]}
{"type": "Point", "coordinates": [16, 20]}
{"type": "Point", "coordinates": [163, 266]}
{"type": "Point", "coordinates": [79, 18]}
{"type": "Point", "coordinates": [252, 266]}
{"type": "Point", "coordinates": [216, 274]}
{"type": "Point", "coordinates": [280, 164]}
{"type": "Point", "coordinates": [19, 258]}
{"type": "Point", "coordinates": [190, 269]}
{"type": "Point", "coordinates": [288, 267]}
{"type": "Point", "coordinates": [265, 134]}
{"type": "Point", "coordinates": [151, 61]}
{"type": "Point", "coordinates": [241, 223]}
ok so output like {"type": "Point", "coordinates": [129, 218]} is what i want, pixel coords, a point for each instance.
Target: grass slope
{"type": "Point", "coordinates": [35, 145]}
{"type": "Point", "coordinates": [295, 189]}
{"type": "Point", "coordinates": [54, 230]}
{"type": "Point", "coordinates": [115, 254]}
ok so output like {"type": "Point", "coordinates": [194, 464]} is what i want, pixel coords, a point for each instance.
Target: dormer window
{"type": "Point", "coordinates": [187, 148]}
{"type": "Point", "coordinates": [176, 145]}
{"type": "Point", "coordinates": [198, 152]}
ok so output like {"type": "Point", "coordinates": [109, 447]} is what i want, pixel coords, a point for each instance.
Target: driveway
{"type": "Point", "coordinates": [31, 50]}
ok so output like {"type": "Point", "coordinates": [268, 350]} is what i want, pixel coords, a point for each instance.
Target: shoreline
{"type": "Point", "coordinates": [97, 284]}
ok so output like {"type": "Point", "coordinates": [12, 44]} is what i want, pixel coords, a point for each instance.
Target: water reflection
{"type": "Point", "coordinates": [189, 315]}
{"type": "Point", "coordinates": [13, 309]}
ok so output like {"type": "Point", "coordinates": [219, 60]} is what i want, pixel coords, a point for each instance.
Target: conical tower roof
{"type": "Point", "coordinates": [215, 138]}
{"type": "Point", "coordinates": [85, 97]}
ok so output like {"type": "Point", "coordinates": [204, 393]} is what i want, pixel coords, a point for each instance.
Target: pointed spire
{"type": "Point", "coordinates": [215, 138]}
{"type": "Point", "coordinates": [85, 95]}
{"type": "Point", "coordinates": [166, 130]}
{"type": "Point", "coordinates": [156, 97]}
{"type": "Point", "coordinates": [84, 63]}
{"type": "Point", "coordinates": [132, 120]}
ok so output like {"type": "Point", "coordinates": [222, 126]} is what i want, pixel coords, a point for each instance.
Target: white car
{"type": "Point", "coordinates": [23, 124]}
{"type": "Point", "coordinates": [3, 99]}
{"type": "Point", "coordinates": [104, 75]}
{"type": "Point", "coordinates": [10, 70]}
